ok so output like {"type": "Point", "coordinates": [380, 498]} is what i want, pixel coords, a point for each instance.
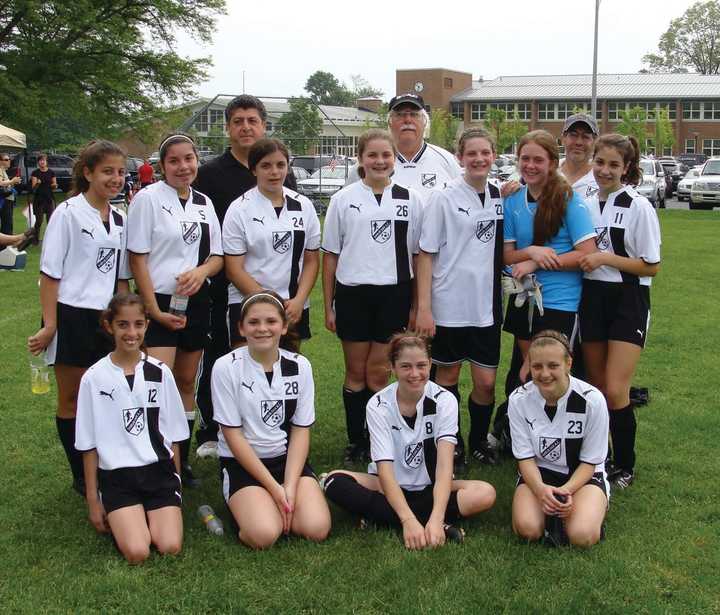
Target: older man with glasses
{"type": "Point", "coordinates": [420, 165]}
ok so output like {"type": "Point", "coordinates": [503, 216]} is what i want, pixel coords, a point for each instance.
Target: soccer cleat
{"type": "Point", "coordinates": [363, 524]}
{"type": "Point", "coordinates": [208, 449]}
{"type": "Point", "coordinates": [454, 534]}
{"type": "Point", "coordinates": [623, 479]}
{"type": "Point", "coordinates": [189, 480]}
{"type": "Point", "coordinates": [555, 535]}
{"type": "Point", "coordinates": [639, 396]}
{"type": "Point", "coordinates": [355, 454]}
{"type": "Point", "coordinates": [484, 454]}
{"type": "Point", "coordinates": [459, 464]}
{"type": "Point", "coordinates": [30, 238]}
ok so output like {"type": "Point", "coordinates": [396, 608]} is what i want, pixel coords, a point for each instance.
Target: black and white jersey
{"type": "Point", "coordinates": [86, 257]}
{"type": "Point", "coordinates": [274, 246]}
{"type": "Point", "coordinates": [176, 237]}
{"type": "Point", "coordinates": [129, 427]}
{"type": "Point", "coordinates": [626, 225]}
{"type": "Point", "coordinates": [465, 236]}
{"type": "Point", "coordinates": [265, 411]}
{"type": "Point", "coordinates": [586, 186]}
{"type": "Point", "coordinates": [375, 242]}
{"type": "Point", "coordinates": [412, 450]}
{"type": "Point", "coordinates": [577, 433]}
{"type": "Point", "coordinates": [431, 167]}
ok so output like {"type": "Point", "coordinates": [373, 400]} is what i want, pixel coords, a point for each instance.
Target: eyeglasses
{"type": "Point", "coordinates": [411, 114]}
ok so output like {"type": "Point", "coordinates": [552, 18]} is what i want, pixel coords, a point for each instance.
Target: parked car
{"type": "Point", "coordinates": [676, 170]}
{"type": "Point", "coordinates": [313, 163]}
{"type": "Point", "coordinates": [131, 166]}
{"type": "Point", "coordinates": [300, 173]}
{"type": "Point", "coordinates": [685, 184]}
{"type": "Point", "coordinates": [705, 192]}
{"type": "Point", "coordinates": [23, 165]}
{"type": "Point", "coordinates": [654, 184]}
{"type": "Point", "coordinates": [692, 160]}
{"type": "Point", "coordinates": [326, 181]}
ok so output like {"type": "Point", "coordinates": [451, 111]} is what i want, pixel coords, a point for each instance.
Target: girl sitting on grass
{"type": "Point", "coordinates": [413, 425]}
{"type": "Point", "coordinates": [129, 422]}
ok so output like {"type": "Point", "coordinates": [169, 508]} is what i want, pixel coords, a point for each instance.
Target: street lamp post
{"type": "Point", "coordinates": [595, 54]}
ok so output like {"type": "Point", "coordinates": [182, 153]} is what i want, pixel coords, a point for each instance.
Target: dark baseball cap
{"type": "Point", "coordinates": [581, 118]}
{"type": "Point", "coordinates": [409, 98]}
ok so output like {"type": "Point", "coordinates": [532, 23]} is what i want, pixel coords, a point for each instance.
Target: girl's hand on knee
{"type": "Point", "coordinates": [414, 534]}
{"type": "Point", "coordinates": [290, 497]}
{"type": "Point", "coordinates": [278, 495]}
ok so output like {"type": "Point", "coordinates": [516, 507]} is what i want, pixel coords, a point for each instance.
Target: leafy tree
{"type": "Point", "coordinates": [664, 135]}
{"type": "Point", "coordinates": [300, 127]}
{"type": "Point", "coordinates": [381, 121]}
{"type": "Point", "coordinates": [361, 88]}
{"type": "Point", "coordinates": [634, 123]}
{"type": "Point", "coordinates": [515, 130]}
{"type": "Point", "coordinates": [443, 129]}
{"type": "Point", "coordinates": [691, 42]}
{"type": "Point", "coordinates": [81, 68]}
{"type": "Point", "coordinates": [325, 89]}
{"type": "Point", "coordinates": [505, 133]}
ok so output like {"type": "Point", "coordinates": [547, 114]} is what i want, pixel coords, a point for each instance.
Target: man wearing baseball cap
{"type": "Point", "coordinates": [420, 165]}
{"type": "Point", "coordinates": [578, 137]}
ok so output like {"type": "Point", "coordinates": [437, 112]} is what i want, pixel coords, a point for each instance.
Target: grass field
{"type": "Point", "coordinates": [661, 555]}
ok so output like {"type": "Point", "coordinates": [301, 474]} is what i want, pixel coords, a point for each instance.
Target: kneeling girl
{"type": "Point", "coordinates": [413, 425]}
{"type": "Point", "coordinates": [264, 401]}
{"type": "Point", "coordinates": [130, 419]}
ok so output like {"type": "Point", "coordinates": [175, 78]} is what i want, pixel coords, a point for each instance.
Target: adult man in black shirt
{"type": "Point", "coordinates": [43, 182]}
{"type": "Point", "coordinates": [224, 179]}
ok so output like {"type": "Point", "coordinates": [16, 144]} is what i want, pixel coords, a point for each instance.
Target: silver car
{"type": "Point", "coordinates": [653, 184]}
{"type": "Point", "coordinates": [705, 192]}
{"type": "Point", "coordinates": [685, 184]}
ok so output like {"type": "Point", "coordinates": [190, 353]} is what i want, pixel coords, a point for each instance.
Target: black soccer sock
{"type": "Point", "coordinates": [623, 427]}
{"type": "Point", "coordinates": [66, 433]}
{"type": "Point", "coordinates": [512, 378]}
{"type": "Point", "coordinates": [344, 491]}
{"type": "Point", "coordinates": [354, 402]}
{"type": "Point", "coordinates": [480, 415]}
{"type": "Point", "coordinates": [455, 390]}
{"type": "Point", "coordinates": [185, 445]}
{"type": "Point", "coordinates": [366, 434]}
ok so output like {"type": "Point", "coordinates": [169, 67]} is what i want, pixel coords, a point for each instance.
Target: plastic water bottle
{"type": "Point", "coordinates": [39, 374]}
{"type": "Point", "coordinates": [212, 523]}
{"type": "Point", "coordinates": [178, 304]}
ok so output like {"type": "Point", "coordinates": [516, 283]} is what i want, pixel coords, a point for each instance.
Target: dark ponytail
{"type": "Point", "coordinates": [629, 149]}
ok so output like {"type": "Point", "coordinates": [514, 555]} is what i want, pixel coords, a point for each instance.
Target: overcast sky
{"type": "Point", "coordinates": [280, 43]}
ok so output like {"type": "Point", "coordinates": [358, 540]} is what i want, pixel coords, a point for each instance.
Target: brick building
{"type": "Point", "coordinates": [692, 100]}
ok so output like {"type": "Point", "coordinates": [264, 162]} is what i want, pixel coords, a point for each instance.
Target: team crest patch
{"type": "Point", "coordinates": [281, 241]}
{"type": "Point", "coordinates": [550, 448]}
{"type": "Point", "coordinates": [190, 231]}
{"type": "Point", "coordinates": [602, 237]}
{"type": "Point", "coordinates": [429, 180]}
{"type": "Point", "coordinates": [414, 455]}
{"type": "Point", "coordinates": [485, 231]}
{"type": "Point", "coordinates": [105, 260]}
{"type": "Point", "coordinates": [134, 420]}
{"type": "Point", "coordinates": [589, 191]}
{"type": "Point", "coordinates": [272, 411]}
{"type": "Point", "coordinates": [380, 230]}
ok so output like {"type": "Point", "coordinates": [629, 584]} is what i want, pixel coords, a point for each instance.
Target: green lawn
{"type": "Point", "coordinates": [662, 553]}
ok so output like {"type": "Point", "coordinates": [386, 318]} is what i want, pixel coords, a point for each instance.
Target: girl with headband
{"type": "Point", "coordinates": [264, 401]}
{"type": "Point", "coordinates": [175, 246]}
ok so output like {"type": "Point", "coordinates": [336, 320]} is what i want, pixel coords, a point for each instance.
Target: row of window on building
{"type": "Point", "coordinates": [559, 111]}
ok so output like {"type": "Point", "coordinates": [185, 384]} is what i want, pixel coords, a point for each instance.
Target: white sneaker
{"type": "Point", "coordinates": [207, 449]}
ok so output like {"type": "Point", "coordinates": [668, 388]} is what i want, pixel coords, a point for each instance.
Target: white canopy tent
{"type": "Point", "coordinates": [10, 138]}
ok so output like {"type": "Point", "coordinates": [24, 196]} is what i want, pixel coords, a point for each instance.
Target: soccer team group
{"type": "Point", "coordinates": [419, 246]}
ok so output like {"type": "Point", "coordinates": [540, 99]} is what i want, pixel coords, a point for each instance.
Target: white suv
{"type": "Point", "coordinates": [653, 184]}
{"type": "Point", "coordinates": [705, 192]}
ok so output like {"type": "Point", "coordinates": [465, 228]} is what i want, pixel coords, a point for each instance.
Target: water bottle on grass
{"type": "Point", "coordinates": [212, 523]}
{"type": "Point", "coordinates": [39, 374]}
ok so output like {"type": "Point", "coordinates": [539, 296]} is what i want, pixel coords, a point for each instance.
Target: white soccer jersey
{"type": "Point", "coordinates": [374, 242]}
{"type": "Point", "coordinates": [628, 226]}
{"type": "Point", "coordinates": [129, 428]}
{"type": "Point", "coordinates": [83, 255]}
{"type": "Point", "coordinates": [465, 237]}
{"type": "Point", "coordinates": [431, 167]}
{"type": "Point", "coordinates": [273, 245]}
{"type": "Point", "coordinates": [586, 186]}
{"type": "Point", "coordinates": [413, 451]}
{"type": "Point", "coordinates": [577, 433]}
{"type": "Point", "coordinates": [175, 237]}
{"type": "Point", "coordinates": [242, 397]}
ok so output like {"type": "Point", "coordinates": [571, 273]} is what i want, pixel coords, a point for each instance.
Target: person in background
{"type": "Point", "coordinates": [146, 173]}
{"type": "Point", "coordinates": [7, 195]}
{"type": "Point", "coordinates": [224, 179]}
{"type": "Point", "coordinates": [43, 182]}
